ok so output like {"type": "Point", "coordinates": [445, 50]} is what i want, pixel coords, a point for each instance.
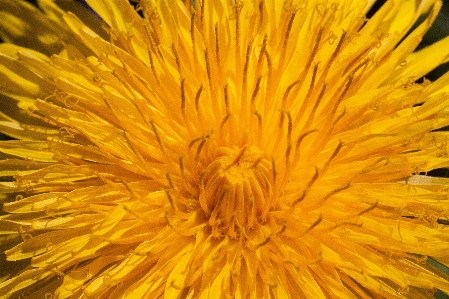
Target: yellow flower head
{"type": "Point", "coordinates": [222, 149]}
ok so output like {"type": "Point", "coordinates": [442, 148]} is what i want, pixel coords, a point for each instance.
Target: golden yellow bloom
{"type": "Point", "coordinates": [223, 149]}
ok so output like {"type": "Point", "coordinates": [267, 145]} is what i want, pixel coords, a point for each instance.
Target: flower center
{"type": "Point", "coordinates": [236, 189]}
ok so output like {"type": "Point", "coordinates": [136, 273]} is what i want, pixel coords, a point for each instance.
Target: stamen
{"type": "Point", "coordinates": [214, 213]}
{"type": "Point", "coordinates": [259, 118]}
{"type": "Point", "coordinates": [262, 50]}
{"type": "Point", "coordinates": [181, 165]}
{"type": "Point", "coordinates": [133, 148]}
{"type": "Point", "coordinates": [338, 119]}
{"type": "Point", "coordinates": [289, 138]}
{"type": "Point", "coordinates": [238, 158]}
{"type": "Point", "coordinates": [260, 128]}
{"type": "Point", "coordinates": [287, 92]}
{"type": "Point", "coordinates": [270, 72]}
{"type": "Point", "coordinates": [209, 74]}
{"type": "Point", "coordinates": [217, 46]}
{"type": "Point", "coordinates": [334, 55]}
{"type": "Point", "coordinates": [198, 151]}
{"type": "Point", "coordinates": [314, 224]}
{"type": "Point", "coordinates": [280, 128]}
{"type": "Point", "coordinates": [273, 170]}
{"type": "Point", "coordinates": [315, 48]}
{"type": "Point", "coordinates": [130, 190]}
{"type": "Point", "coordinates": [202, 23]}
{"type": "Point", "coordinates": [267, 55]}
{"type": "Point", "coordinates": [265, 242]}
{"type": "Point", "coordinates": [197, 99]}
{"type": "Point", "coordinates": [256, 91]}
{"type": "Point", "coordinates": [183, 98]}
{"type": "Point", "coordinates": [312, 81]}
{"type": "Point", "coordinates": [289, 28]}
{"type": "Point", "coordinates": [170, 199]}
{"type": "Point", "coordinates": [226, 98]}
{"type": "Point", "coordinates": [202, 195]}
{"type": "Point", "coordinates": [158, 138]}
{"type": "Point", "coordinates": [178, 62]}
{"type": "Point", "coordinates": [237, 10]}
{"type": "Point", "coordinates": [337, 49]}
{"type": "Point", "coordinates": [367, 209]}
{"type": "Point", "coordinates": [42, 118]}
{"type": "Point", "coordinates": [306, 190]}
{"type": "Point", "coordinates": [153, 69]}
{"type": "Point", "coordinates": [324, 199]}
{"type": "Point", "coordinates": [290, 127]}
{"type": "Point", "coordinates": [256, 163]}
{"type": "Point", "coordinates": [334, 154]}
{"type": "Point", "coordinates": [261, 6]}
{"type": "Point", "coordinates": [192, 32]}
{"type": "Point", "coordinates": [287, 158]}
{"type": "Point", "coordinates": [225, 119]}
{"type": "Point", "coordinates": [345, 90]}
{"type": "Point", "coordinates": [311, 116]}
{"type": "Point", "coordinates": [192, 143]}
{"type": "Point", "coordinates": [170, 182]}
{"type": "Point", "coordinates": [246, 66]}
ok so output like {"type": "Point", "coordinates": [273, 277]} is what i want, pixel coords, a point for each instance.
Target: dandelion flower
{"type": "Point", "coordinates": [222, 149]}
